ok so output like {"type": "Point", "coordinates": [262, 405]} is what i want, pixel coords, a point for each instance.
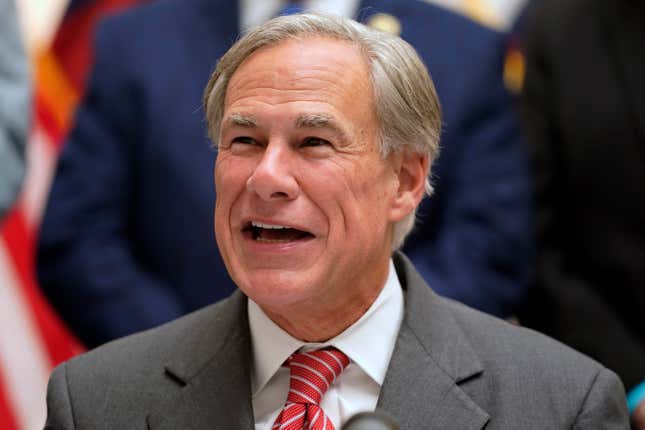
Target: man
{"type": "Point", "coordinates": [127, 229]}
{"type": "Point", "coordinates": [589, 160]}
{"type": "Point", "coordinates": [325, 132]}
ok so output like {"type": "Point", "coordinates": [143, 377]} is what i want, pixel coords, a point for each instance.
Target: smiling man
{"type": "Point", "coordinates": [325, 133]}
{"type": "Point", "coordinates": [307, 203]}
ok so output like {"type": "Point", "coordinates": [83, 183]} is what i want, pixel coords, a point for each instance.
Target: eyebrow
{"type": "Point", "coordinates": [303, 121]}
{"type": "Point", "coordinates": [320, 121]}
{"type": "Point", "coordinates": [239, 120]}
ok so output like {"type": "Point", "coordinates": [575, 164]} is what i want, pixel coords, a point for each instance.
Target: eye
{"type": "Point", "coordinates": [314, 141]}
{"type": "Point", "coordinates": [246, 140]}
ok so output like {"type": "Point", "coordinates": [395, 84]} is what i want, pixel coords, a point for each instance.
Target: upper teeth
{"type": "Point", "coordinates": [262, 225]}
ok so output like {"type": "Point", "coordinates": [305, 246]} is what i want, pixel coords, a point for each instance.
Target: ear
{"type": "Point", "coordinates": [411, 170]}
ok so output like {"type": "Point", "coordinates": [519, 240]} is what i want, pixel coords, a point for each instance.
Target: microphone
{"type": "Point", "coordinates": [371, 421]}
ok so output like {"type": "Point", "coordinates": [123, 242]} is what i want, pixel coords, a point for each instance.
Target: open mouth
{"type": "Point", "coordinates": [271, 233]}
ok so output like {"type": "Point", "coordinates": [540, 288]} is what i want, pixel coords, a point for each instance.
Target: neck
{"type": "Point", "coordinates": [315, 322]}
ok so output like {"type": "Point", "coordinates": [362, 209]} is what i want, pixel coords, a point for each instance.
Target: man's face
{"type": "Point", "coordinates": [304, 207]}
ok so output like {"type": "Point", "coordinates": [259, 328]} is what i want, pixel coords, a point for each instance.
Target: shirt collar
{"type": "Point", "coordinates": [369, 342]}
{"type": "Point", "coordinates": [254, 12]}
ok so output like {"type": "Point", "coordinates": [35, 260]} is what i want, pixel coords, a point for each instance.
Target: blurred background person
{"type": "Point", "coordinates": [126, 239]}
{"type": "Point", "coordinates": [15, 108]}
{"type": "Point", "coordinates": [584, 105]}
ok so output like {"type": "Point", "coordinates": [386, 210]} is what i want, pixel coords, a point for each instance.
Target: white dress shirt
{"type": "Point", "coordinates": [369, 344]}
{"type": "Point", "coordinates": [254, 13]}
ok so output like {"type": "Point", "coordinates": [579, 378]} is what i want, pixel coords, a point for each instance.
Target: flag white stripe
{"type": "Point", "coordinates": [23, 359]}
{"type": "Point", "coordinates": [41, 161]}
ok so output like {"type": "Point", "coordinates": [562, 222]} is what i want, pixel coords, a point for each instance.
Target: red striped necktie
{"type": "Point", "coordinates": [312, 373]}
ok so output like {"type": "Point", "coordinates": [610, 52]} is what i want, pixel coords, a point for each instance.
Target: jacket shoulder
{"type": "Point", "coordinates": [135, 374]}
{"type": "Point", "coordinates": [537, 374]}
{"type": "Point", "coordinates": [142, 356]}
{"type": "Point", "coordinates": [499, 338]}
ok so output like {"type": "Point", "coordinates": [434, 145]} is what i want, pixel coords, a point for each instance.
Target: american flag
{"type": "Point", "coordinates": [32, 337]}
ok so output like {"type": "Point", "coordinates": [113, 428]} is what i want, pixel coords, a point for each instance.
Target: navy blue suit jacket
{"type": "Point", "coordinates": [127, 239]}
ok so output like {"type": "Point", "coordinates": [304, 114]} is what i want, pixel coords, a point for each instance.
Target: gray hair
{"type": "Point", "coordinates": [407, 106]}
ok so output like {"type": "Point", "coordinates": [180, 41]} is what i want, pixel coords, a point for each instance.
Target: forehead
{"type": "Point", "coordinates": [314, 69]}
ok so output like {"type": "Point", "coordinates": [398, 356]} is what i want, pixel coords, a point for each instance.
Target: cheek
{"type": "Point", "coordinates": [354, 197]}
{"type": "Point", "coordinates": [374, 190]}
{"type": "Point", "coordinates": [230, 182]}
{"type": "Point", "coordinates": [371, 186]}
{"type": "Point", "coordinates": [231, 174]}
{"type": "Point", "coordinates": [224, 166]}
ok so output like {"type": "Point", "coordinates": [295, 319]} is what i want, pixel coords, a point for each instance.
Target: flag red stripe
{"type": "Point", "coordinates": [19, 241]}
{"type": "Point", "coordinates": [7, 419]}
{"type": "Point", "coordinates": [46, 120]}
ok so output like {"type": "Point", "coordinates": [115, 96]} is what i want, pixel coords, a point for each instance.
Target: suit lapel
{"type": "Point", "coordinates": [431, 358]}
{"type": "Point", "coordinates": [209, 376]}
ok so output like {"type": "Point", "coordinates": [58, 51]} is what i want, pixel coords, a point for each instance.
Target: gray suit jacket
{"type": "Point", "coordinates": [452, 368]}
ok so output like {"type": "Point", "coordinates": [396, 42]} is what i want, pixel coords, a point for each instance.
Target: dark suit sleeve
{"type": "Point", "coordinates": [604, 406]}
{"type": "Point", "coordinates": [59, 407]}
{"type": "Point", "coordinates": [476, 246]}
{"type": "Point", "coordinates": [577, 316]}
{"type": "Point", "coordinates": [88, 262]}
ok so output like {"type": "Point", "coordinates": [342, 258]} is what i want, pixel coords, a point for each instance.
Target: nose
{"type": "Point", "coordinates": [272, 178]}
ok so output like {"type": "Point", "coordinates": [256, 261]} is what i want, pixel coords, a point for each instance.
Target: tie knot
{"type": "Point", "coordinates": [312, 373]}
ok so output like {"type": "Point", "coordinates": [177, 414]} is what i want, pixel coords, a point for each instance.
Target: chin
{"type": "Point", "coordinates": [275, 287]}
